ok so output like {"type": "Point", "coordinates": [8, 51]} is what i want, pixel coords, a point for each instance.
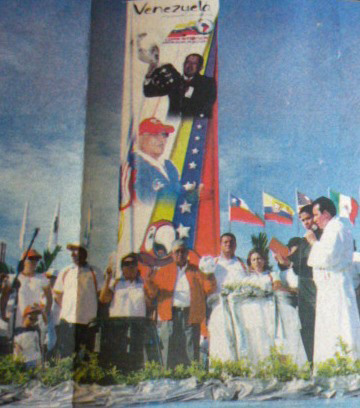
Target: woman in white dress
{"type": "Point", "coordinates": [257, 313]}
{"type": "Point", "coordinates": [280, 320]}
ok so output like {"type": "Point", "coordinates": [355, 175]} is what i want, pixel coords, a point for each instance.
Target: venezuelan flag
{"type": "Point", "coordinates": [276, 210]}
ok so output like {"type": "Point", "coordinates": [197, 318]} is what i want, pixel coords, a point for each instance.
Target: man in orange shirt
{"type": "Point", "coordinates": [180, 289]}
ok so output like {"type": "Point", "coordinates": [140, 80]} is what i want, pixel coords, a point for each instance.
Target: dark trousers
{"type": "Point", "coordinates": [73, 337]}
{"type": "Point", "coordinates": [179, 339]}
{"type": "Point", "coordinates": [307, 310]}
{"type": "Point", "coordinates": [122, 343]}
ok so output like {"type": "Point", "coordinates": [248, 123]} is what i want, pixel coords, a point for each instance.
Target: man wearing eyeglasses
{"type": "Point", "coordinates": [180, 290]}
{"type": "Point", "coordinates": [123, 339]}
{"type": "Point", "coordinates": [156, 177]}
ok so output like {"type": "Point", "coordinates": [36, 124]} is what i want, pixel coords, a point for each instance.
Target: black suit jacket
{"type": "Point", "coordinates": [165, 80]}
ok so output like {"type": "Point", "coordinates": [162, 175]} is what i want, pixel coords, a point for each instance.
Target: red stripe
{"type": "Point", "coordinates": [243, 215]}
{"type": "Point", "coordinates": [208, 221]}
{"type": "Point", "coordinates": [354, 210]}
{"type": "Point", "coordinates": [277, 218]}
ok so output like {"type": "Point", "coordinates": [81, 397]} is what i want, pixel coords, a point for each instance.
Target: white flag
{"type": "Point", "coordinates": [54, 229]}
{"type": "Point", "coordinates": [23, 226]}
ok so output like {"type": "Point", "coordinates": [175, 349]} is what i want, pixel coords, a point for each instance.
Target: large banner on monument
{"type": "Point", "coordinates": [169, 142]}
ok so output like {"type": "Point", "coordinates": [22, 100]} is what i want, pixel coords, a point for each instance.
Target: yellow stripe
{"type": "Point", "coordinates": [270, 201]}
{"type": "Point", "coordinates": [165, 210]}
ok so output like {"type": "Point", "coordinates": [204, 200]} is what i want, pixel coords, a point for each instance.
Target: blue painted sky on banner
{"type": "Point", "coordinates": [289, 96]}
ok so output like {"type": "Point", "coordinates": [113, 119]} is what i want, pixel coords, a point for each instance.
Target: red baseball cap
{"type": "Point", "coordinates": [31, 309]}
{"type": "Point", "coordinates": [154, 126]}
{"type": "Point", "coordinates": [32, 254]}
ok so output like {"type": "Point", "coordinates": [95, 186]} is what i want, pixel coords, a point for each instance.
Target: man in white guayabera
{"type": "Point", "coordinates": [331, 259]}
{"type": "Point", "coordinates": [228, 269]}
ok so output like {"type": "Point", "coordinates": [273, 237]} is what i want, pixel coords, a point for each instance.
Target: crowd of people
{"type": "Point", "coordinates": [240, 309]}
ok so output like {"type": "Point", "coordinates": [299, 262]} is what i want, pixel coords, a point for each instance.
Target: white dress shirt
{"type": "Point", "coordinates": [181, 296]}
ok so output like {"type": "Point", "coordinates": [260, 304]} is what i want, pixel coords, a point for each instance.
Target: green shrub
{"type": "Point", "coordinates": [340, 364]}
{"type": "Point", "coordinates": [277, 365]}
{"type": "Point", "coordinates": [86, 369]}
{"type": "Point", "coordinates": [55, 371]}
{"type": "Point", "coordinates": [197, 370]}
{"type": "Point", "coordinates": [241, 368]}
{"type": "Point", "coordinates": [220, 369]}
{"type": "Point", "coordinates": [14, 371]}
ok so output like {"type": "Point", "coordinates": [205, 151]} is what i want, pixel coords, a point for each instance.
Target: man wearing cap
{"type": "Point", "coordinates": [190, 94]}
{"type": "Point", "coordinates": [34, 289]}
{"type": "Point", "coordinates": [156, 177]}
{"type": "Point", "coordinates": [122, 344]}
{"type": "Point", "coordinates": [180, 289]}
{"type": "Point", "coordinates": [76, 291]}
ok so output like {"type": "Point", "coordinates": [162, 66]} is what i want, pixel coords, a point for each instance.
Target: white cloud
{"type": "Point", "coordinates": [42, 175]}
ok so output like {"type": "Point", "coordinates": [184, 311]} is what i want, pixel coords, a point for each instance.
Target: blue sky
{"type": "Point", "coordinates": [43, 70]}
{"type": "Point", "coordinates": [294, 115]}
{"type": "Point", "coordinates": [289, 96]}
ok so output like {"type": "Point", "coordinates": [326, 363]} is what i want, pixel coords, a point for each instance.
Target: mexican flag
{"type": "Point", "coordinates": [346, 206]}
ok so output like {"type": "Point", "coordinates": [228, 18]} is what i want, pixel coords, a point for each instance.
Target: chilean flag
{"type": "Point", "coordinates": [239, 211]}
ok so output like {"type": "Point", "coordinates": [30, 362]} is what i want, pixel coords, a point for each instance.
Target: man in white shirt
{"type": "Point", "coordinates": [331, 259]}
{"type": "Point", "coordinates": [180, 289]}
{"type": "Point", "coordinates": [76, 291]}
{"type": "Point", "coordinates": [34, 289]}
{"type": "Point", "coordinates": [229, 269]}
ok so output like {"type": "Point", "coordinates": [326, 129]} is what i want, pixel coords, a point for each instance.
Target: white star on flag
{"type": "Point", "coordinates": [195, 151]}
{"type": "Point", "coordinates": [197, 138]}
{"type": "Point", "coordinates": [185, 207]}
{"type": "Point", "coordinates": [189, 186]}
{"type": "Point", "coordinates": [192, 165]}
{"type": "Point", "coordinates": [183, 231]}
{"type": "Point", "coordinates": [198, 127]}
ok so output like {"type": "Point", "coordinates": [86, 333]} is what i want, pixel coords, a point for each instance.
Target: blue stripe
{"type": "Point", "coordinates": [191, 175]}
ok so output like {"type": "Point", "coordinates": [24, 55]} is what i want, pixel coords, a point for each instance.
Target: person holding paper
{"type": "Point", "coordinates": [297, 260]}
{"type": "Point", "coordinates": [337, 316]}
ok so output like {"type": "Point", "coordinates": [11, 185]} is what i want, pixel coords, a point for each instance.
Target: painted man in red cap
{"type": "Point", "coordinates": [34, 289]}
{"type": "Point", "coordinates": [156, 177]}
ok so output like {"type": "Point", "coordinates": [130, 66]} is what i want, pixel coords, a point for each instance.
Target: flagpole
{"type": "Point", "coordinates": [229, 211]}
{"type": "Point", "coordinates": [23, 226]}
{"type": "Point", "coordinates": [132, 110]}
{"type": "Point", "coordinates": [297, 212]}
{"type": "Point", "coordinates": [53, 234]}
{"type": "Point", "coordinates": [263, 208]}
